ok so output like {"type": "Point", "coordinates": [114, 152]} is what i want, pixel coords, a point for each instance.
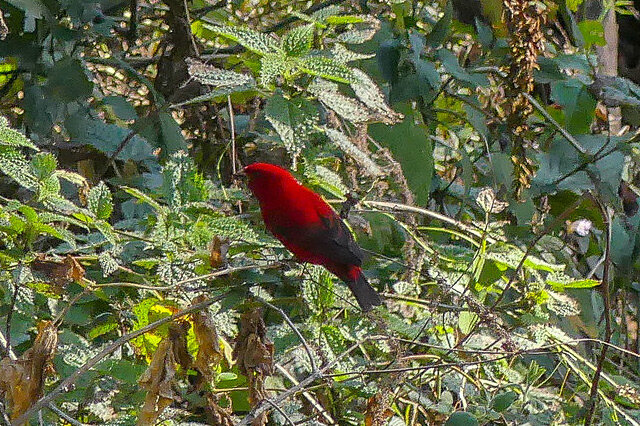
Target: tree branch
{"type": "Point", "coordinates": [70, 380]}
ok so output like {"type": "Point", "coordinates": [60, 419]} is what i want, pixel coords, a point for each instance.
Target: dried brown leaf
{"type": "Point", "coordinates": [21, 380]}
{"type": "Point", "coordinates": [218, 249]}
{"type": "Point", "coordinates": [59, 273]}
{"type": "Point", "coordinates": [159, 378]}
{"type": "Point", "coordinates": [217, 415]}
{"type": "Point", "coordinates": [253, 352]}
{"type": "Point", "coordinates": [209, 351]}
{"type": "Point", "coordinates": [378, 410]}
{"type": "Point", "coordinates": [178, 336]}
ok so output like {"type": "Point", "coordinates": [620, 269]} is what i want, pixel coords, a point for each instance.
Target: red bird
{"type": "Point", "coordinates": [309, 228]}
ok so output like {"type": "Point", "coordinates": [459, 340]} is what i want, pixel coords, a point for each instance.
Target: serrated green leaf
{"type": "Point", "coordinates": [48, 188]}
{"type": "Point", "coordinates": [346, 107]}
{"type": "Point", "coordinates": [218, 77]}
{"type": "Point", "coordinates": [361, 32]}
{"type": "Point", "coordinates": [272, 66]}
{"type": "Point", "coordinates": [371, 95]}
{"type": "Point", "coordinates": [344, 143]}
{"type": "Point", "coordinates": [293, 119]}
{"type": "Point", "coordinates": [298, 41]}
{"type": "Point", "coordinates": [44, 164]}
{"type": "Point", "coordinates": [11, 137]}
{"type": "Point", "coordinates": [326, 68]}
{"type": "Point", "coordinates": [14, 164]}
{"type": "Point", "coordinates": [100, 202]}
{"type": "Point", "coordinates": [252, 40]}
{"type": "Point", "coordinates": [75, 178]}
{"type": "Point", "coordinates": [343, 55]}
{"type": "Point", "coordinates": [106, 230]}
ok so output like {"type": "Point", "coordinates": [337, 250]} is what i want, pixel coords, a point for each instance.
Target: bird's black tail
{"type": "Point", "coordinates": [366, 296]}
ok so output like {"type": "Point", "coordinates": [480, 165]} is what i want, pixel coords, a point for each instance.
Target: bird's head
{"type": "Point", "coordinates": [265, 178]}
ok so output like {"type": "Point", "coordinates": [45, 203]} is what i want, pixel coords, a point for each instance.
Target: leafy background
{"type": "Point", "coordinates": [496, 197]}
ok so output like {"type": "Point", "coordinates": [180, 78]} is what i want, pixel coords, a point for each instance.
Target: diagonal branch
{"type": "Point", "coordinates": [65, 385]}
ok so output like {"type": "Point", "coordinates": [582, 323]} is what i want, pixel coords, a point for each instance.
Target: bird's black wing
{"type": "Point", "coordinates": [330, 239]}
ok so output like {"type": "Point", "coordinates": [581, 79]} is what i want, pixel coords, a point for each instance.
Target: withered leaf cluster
{"type": "Point", "coordinates": [160, 378]}
{"type": "Point", "coordinates": [378, 409]}
{"type": "Point", "coordinates": [22, 380]}
{"type": "Point", "coordinates": [253, 353]}
{"type": "Point", "coordinates": [209, 350]}
{"type": "Point", "coordinates": [59, 273]}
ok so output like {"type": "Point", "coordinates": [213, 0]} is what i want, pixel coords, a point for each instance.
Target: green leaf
{"type": "Point", "coordinates": [343, 55]}
{"type": "Point", "coordinates": [442, 28]}
{"type": "Point", "coordinates": [345, 19]}
{"type": "Point", "coordinates": [573, 284]}
{"type": "Point", "coordinates": [121, 107]}
{"type": "Point", "coordinates": [344, 143]}
{"type": "Point", "coordinates": [298, 41]}
{"type": "Point", "coordinates": [11, 137]}
{"type": "Point", "coordinates": [293, 119]}
{"type": "Point", "coordinates": [99, 201]}
{"type": "Point", "coordinates": [252, 40]}
{"type": "Point", "coordinates": [272, 66]}
{"type": "Point", "coordinates": [450, 63]}
{"type": "Point", "coordinates": [328, 68]}
{"type": "Point", "coordinates": [503, 401]}
{"type": "Point", "coordinates": [106, 230]}
{"type": "Point", "coordinates": [48, 188]}
{"type": "Point", "coordinates": [170, 134]}
{"type": "Point", "coordinates": [218, 77]}
{"type": "Point", "coordinates": [142, 197]}
{"type": "Point", "coordinates": [15, 165]}
{"type": "Point", "coordinates": [412, 148]}
{"type": "Point", "coordinates": [461, 418]}
{"type": "Point", "coordinates": [69, 81]}
{"type": "Point", "coordinates": [346, 107]}
{"type": "Point", "coordinates": [360, 32]}
{"type": "Point", "coordinates": [108, 137]}
{"type": "Point", "coordinates": [44, 164]}
{"type": "Point", "coordinates": [467, 321]}
{"type": "Point", "coordinates": [102, 329]}
{"type": "Point", "coordinates": [370, 94]}
{"type": "Point", "coordinates": [578, 105]}
{"type": "Point", "coordinates": [592, 32]}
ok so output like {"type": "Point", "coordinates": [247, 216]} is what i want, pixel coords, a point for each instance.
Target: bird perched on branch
{"type": "Point", "coordinates": [309, 228]}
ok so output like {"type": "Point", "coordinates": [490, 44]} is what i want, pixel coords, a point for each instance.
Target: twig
{"type": "Point", "coordinates": [280, 410]}
{"type": "Point", "coordinates": [4, 416]}
{"type": "Point", "coordinates": [312, 361]}
{"type": "Point", "coordinates": [64, 415]}
{"type": "Point", "coordinates": [10, 314]}
{"type": "Point", "coordinates": [232, 129]}
{"type": "Point", "coordinates": [591, 404]}
{"type": "Point", "coordinates": [435, 215]}
{"type": "Point", "coordinates": [260, 408]}
{"type": "Point", "coordinates": [568, 136]}
{"type": "Point", "coordinates": [71, 379]}
{"type": "Point", "coordinates": [316, 404]}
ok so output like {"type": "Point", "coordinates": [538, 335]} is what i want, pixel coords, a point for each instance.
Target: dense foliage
{"type": "Point", "coordinates": [475, 163]}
